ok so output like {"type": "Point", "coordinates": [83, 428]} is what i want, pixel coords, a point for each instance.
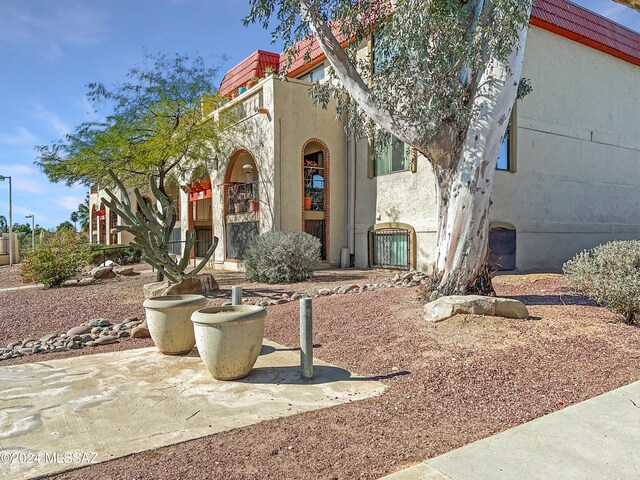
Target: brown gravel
{"type": "Point", "coordinates": [449, 384]}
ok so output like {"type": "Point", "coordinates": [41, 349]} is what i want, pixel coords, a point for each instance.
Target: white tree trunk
{"type": "Point", "coordinates": [465, 189]}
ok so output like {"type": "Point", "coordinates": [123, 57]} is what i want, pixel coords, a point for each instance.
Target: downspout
{"type": "Point", "coordinates": [279, 177]}
{"type": "Point", "coordinates": [352, 200]}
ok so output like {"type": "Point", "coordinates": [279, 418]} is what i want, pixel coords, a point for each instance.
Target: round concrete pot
{"type": "Point", "coordinates": [169, 321]}
{"type": "Point", "coordinates": [229, 339]}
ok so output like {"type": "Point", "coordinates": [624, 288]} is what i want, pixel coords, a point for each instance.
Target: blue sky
{"type": "Point", "coordinates": [50, 50]}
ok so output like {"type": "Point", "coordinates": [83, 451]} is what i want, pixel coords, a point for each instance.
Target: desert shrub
{"type": "Point", "coordinates": [282, 257]}
{"type": "Point", "coordinates": [57, 259]}
{"type": "Point", "coordinates": [610, 275]}
{"type": "Point", "coordinates": [126, 255]}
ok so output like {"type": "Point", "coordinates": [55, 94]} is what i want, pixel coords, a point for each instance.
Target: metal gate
{"type": "Point", "coordinates": [204, 238]}
{"type": "Point", "coordinates": [239, 237]}
{"type": "Point", "coordinates": [318, 230]}
{"type": "Point", "coordinates": [389, 248]}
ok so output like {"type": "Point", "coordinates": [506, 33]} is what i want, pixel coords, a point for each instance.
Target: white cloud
{"type": "Point", "coordinates": [70, 202]}
{"type": "Point", "coordinates": [21, 136]}
{"type": "Point", "coordinates": [25, 178]}
{"type": "Point", "coordinates": [19, 213]}
{"type": "Point", "coordinates": [51, 119]}
{"type": "Point", "coordinates": [51, 25]}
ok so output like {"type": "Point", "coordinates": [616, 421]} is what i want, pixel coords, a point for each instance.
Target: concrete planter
{"type": "Point", "coordinates": [229, 339]}
{"type": "Point", "coordinates": [168, 319]}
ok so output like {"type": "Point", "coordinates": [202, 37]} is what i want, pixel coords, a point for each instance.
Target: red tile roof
{"type": "Point", "coordinates": [252, 66]}
{"type": "Point", "coordinates": [584, 26]}
{"type": "Point", "coordinates": [558, 16]}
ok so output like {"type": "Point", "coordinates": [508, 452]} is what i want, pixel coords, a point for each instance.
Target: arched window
{"type": "Point", "coordinates": [315, 192]}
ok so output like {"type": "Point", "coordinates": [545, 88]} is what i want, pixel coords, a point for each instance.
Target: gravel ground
{"type": "Point", "coordinates": [35, 312]}
{"type": "Point", "coordinates": [449, 384]}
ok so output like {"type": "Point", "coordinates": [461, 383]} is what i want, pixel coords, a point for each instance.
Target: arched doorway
{"type": "Point", "coordinates": [102, 224]}
{"type": "Point", "coordinates": [241, 203]}
{"type": "Point", "coordinates": [315, 192]}
{"type": "Point", "coordinates": [200, 209]}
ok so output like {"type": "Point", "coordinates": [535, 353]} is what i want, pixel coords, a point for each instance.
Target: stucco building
{"type": "Point", "coordinates": [569, 171]}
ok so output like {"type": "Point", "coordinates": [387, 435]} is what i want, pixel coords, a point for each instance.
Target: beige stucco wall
{"type": "Point", "coordinates": [297, 121]}
{"type": "Point", "coordinates": [577, 179]}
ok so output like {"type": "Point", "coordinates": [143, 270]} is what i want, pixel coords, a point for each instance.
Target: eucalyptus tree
{"type": "Point", "coordinates": [442, 77]}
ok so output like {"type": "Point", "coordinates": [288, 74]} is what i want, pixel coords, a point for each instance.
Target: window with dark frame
{"type": "Point", "coordinates": [314, 182]}
{"type": "Point", "coordinates": [504, 156]}
{"type": "Point", "coordinates": [392, 159]}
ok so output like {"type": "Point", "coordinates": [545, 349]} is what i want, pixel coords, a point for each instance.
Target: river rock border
{"type": "Point", "coordinates": [98, 331]}
{"type": "Point", "coordinates": [411, 278]}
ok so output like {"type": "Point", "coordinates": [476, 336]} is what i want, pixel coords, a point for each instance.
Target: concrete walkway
{"type": "Point", "coordinates": [598, 439]}
{"type": "Point", "coordinates": [67, 413]}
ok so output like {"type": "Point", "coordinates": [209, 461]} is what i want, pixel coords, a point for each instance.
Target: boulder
{"type": "Point", "coordinates": [510, 308]}
{"type": "Point", "coordinates": [101, 273]}
{"type": "Point", "coordinates": [123, 271]}
{"type": "Point", "coordinates": [141, 331]}
{"type": "Point", "coordinates": [86, 281]}
{"type": "Point", "coordinates": [446, 307]}
{"type": "Point", "coordinates": [200, 285]}
{"type": "Point", "coordinates": [155, 289]}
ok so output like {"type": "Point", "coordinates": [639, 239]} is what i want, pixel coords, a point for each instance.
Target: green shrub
{"type": "Point", "coordinates": [121, 254]}
{"type": "Point", "coordinates": [282, 257]}
{"type": "Point", "coordinates": [610, 275]}
{"type": "Point", "coordinates": [59, 258]}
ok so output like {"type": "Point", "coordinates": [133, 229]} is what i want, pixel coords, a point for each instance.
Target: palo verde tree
{"type": "Point", "coordinates": [442, 77]}
{"type": "Point", "coordinates": [156, 124]}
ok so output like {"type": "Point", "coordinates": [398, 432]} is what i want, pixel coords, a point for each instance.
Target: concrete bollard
{"type": "Point", "coordinates": [236, 295]}
{"type": "Point", "coordinates": [306, 339]}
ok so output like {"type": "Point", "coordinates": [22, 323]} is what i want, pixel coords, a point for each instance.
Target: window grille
{"type": "Point", "coordinates": [389, 248]}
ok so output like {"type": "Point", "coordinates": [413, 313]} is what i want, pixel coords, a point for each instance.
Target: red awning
{"type": "Point", "coordinates": [200, 190]}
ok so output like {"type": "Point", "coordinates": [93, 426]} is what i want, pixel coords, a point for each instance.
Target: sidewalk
{"type": "Point", "coordinates": [598, 439]}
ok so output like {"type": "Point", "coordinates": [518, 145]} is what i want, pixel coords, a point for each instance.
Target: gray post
{"type": "Point", "coordinates": [306, 339]}
{"type": "Point", "coordinates": [236, 295]}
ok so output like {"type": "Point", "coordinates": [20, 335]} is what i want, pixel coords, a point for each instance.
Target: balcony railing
{"type": "Point", "coordinates": [246, 107]}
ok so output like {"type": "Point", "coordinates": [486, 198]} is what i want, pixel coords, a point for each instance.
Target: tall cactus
{"type": "Point", "coordinates": [151, 230]}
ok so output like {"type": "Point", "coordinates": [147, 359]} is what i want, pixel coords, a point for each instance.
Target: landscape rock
{"type": "Point", "coordinates": [102, 273]}
{"type": "Point", "coordinates": [86, 281]}
{"type": "Point", "coordinates": [202, 284]}
{"type": "Point", "coordinates": [324, 292]}
{"type": "Point", "coordinates": [123, 271]}
{"type": "Point", "coordinates": [448, 306]}
{"type": "Point", "coordinates": [79, 330]}
{"type": "Point", "coordinates": [155, 289]}
{"type": "Point", "coordinates": [97, 322]}
{"type": "Point", "coordinates": [107, 339]}
{"type": "Point", "coordinates": [141, 331]}
{"type": "Point", "coordinates": [46, 338]}
{"type": "Point", "coordinates": [511, 308]}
